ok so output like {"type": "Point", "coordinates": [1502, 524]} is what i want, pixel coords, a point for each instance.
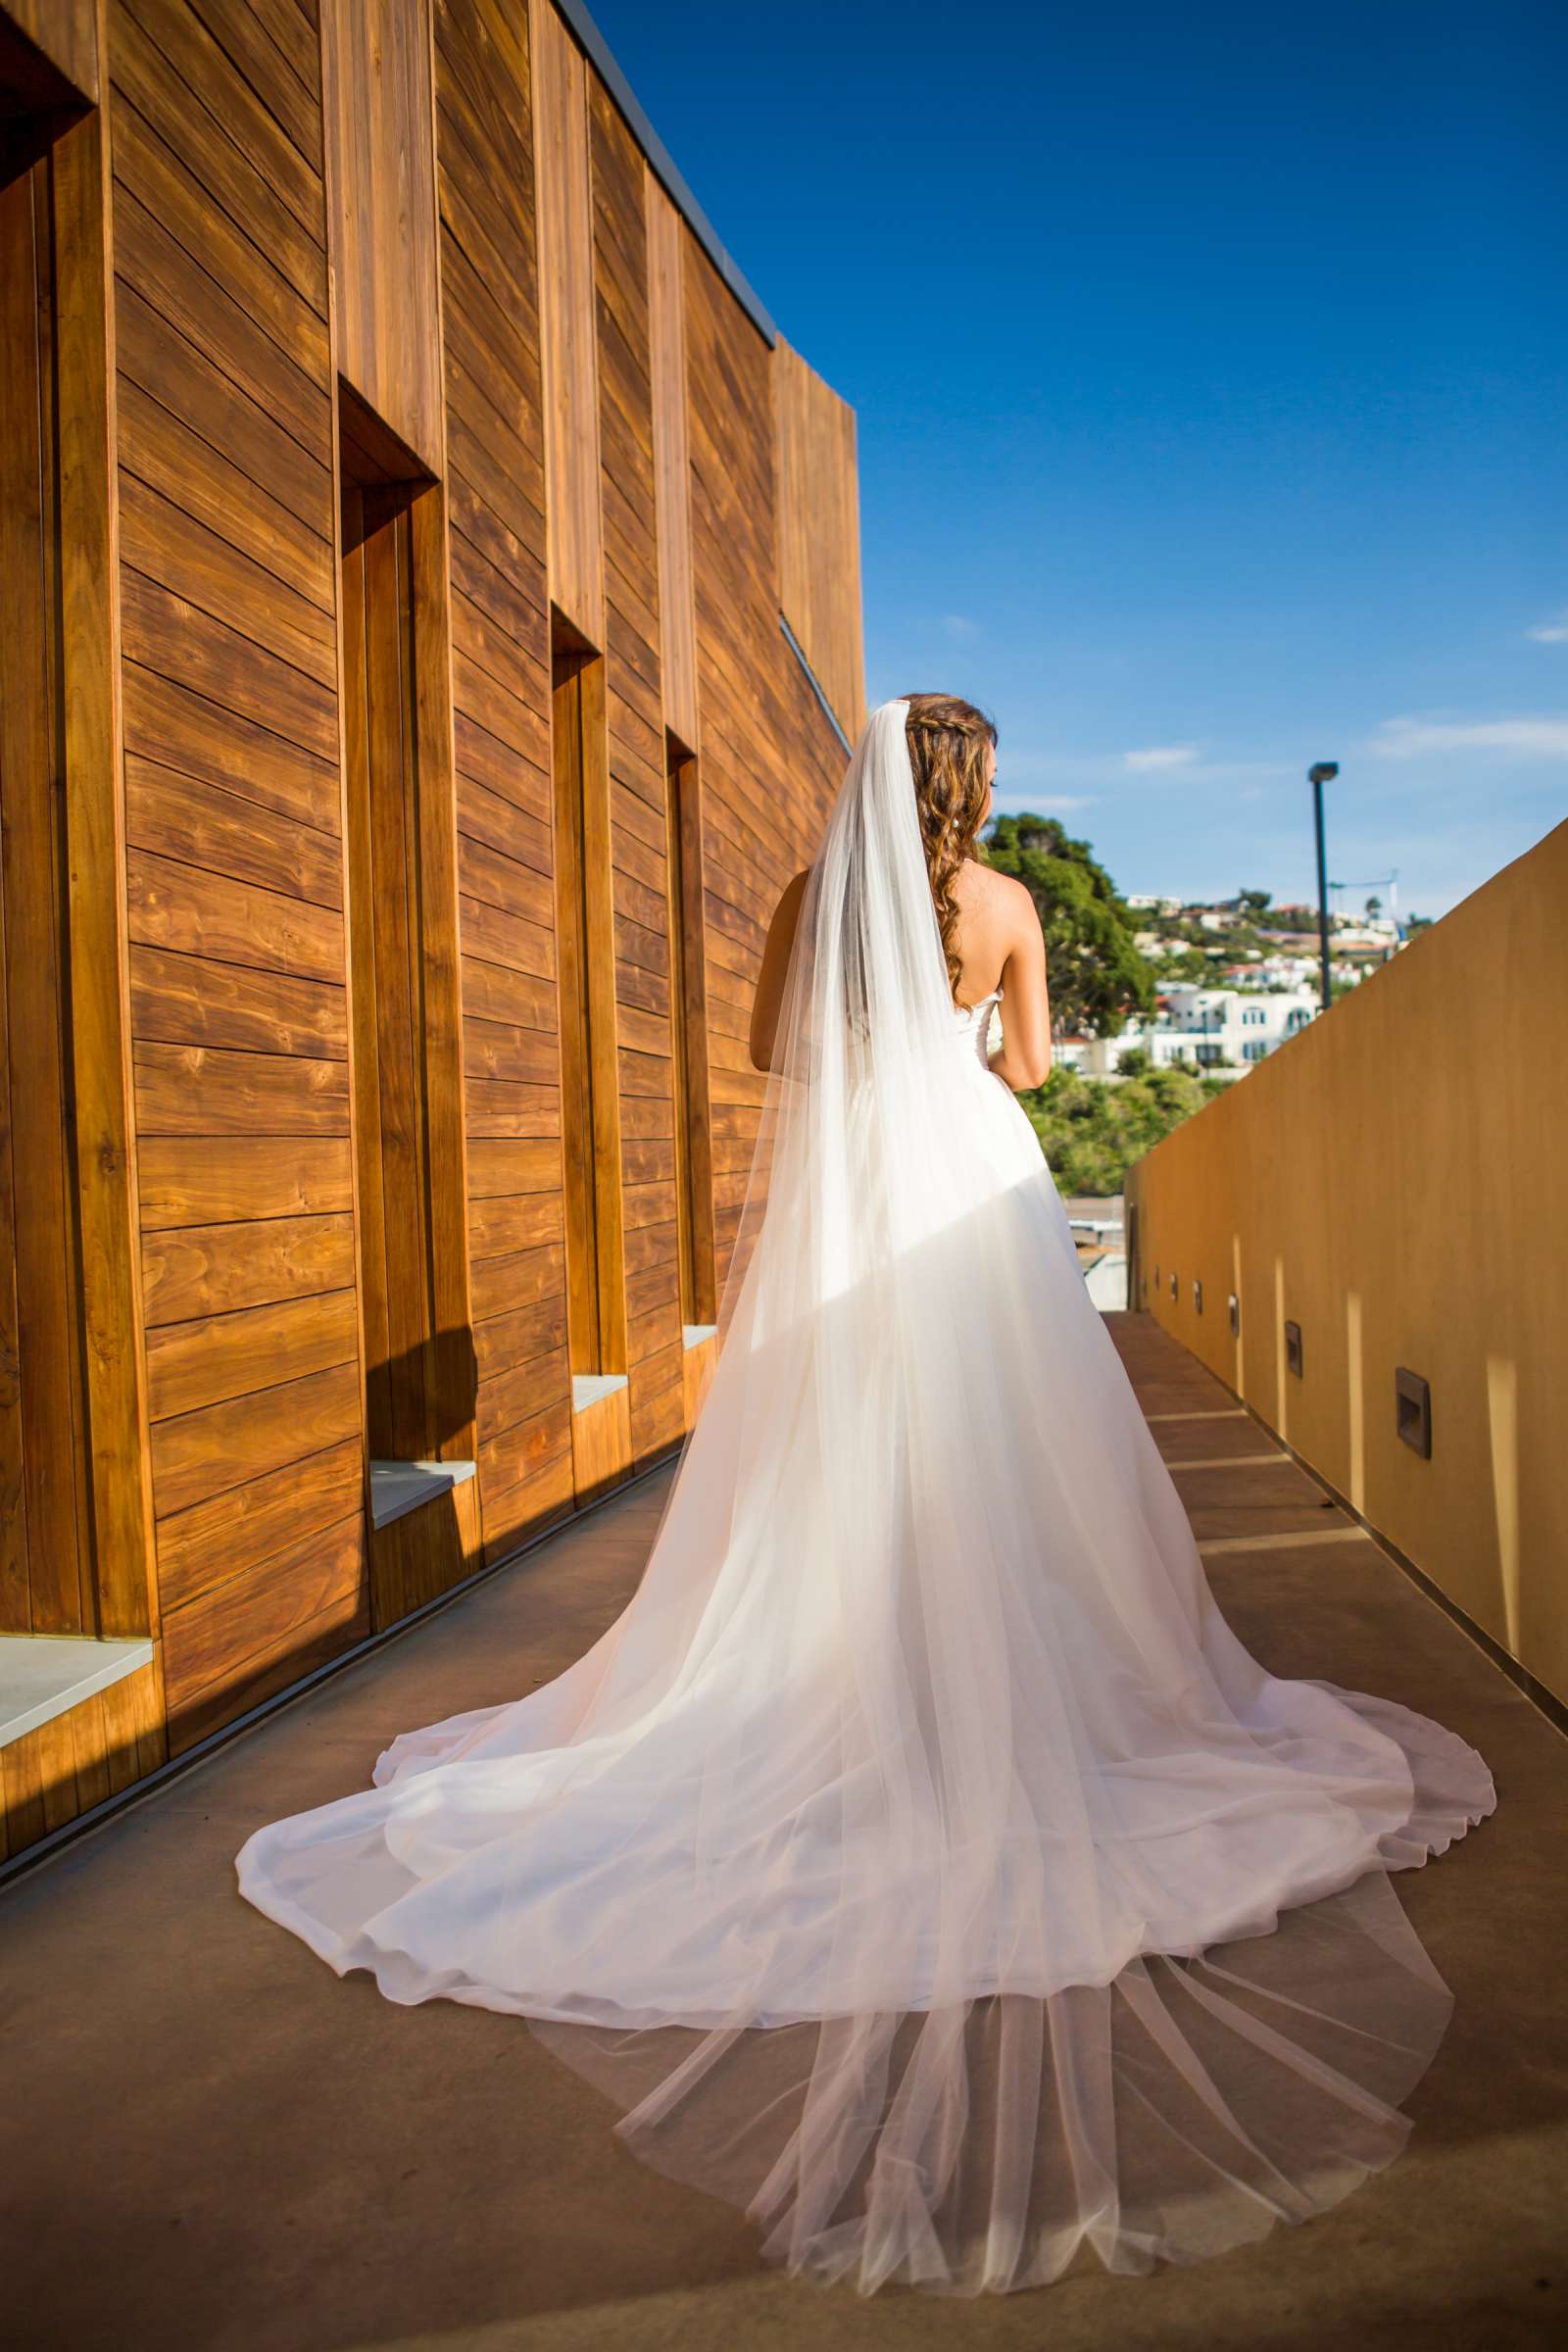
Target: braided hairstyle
{"type": "Point", "coordinates": [948, 741]}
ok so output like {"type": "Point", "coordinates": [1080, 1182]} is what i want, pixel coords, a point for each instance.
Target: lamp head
{"type": "Point", "coordinates": [1323, 771]}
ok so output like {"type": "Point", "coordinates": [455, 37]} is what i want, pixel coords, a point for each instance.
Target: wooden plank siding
{"type": "Point", "coordinates": [666, 301]}
{"type": "Point", "coordinates": [323, 277]}
{"type": "Point", "coordinates": [372, 76]}
{"type": "Point", "coordinates": [564, 245]}
{"type": "Point", "coordinates": [234, 882]}
{"type": "Point", "coordinates": [63, 38]}
{"type": "Point", "coordinates": [635, 715]}
{"type": "Point", "coordinates": [820, 530]}
{"type": "Point", "coordinates": [501, 694]}
{"type": "Point", "coordinates": [770, 765]}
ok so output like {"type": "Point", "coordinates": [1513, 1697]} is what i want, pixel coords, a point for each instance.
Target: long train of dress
{"type": "Point", "coordinates": [920, 1860]}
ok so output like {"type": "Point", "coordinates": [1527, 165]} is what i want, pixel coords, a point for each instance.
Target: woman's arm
{"type": "Point", "coordinates": [1023, 1060]}
{"type": "Point", "coordinates": [768, 1002]}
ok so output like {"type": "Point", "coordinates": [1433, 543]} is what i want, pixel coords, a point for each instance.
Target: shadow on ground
{"type": "Point", "coordinates": [209, 2141]}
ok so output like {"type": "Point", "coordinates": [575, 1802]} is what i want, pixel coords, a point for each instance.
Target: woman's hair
{"type": "Point", "coordinates": [948, 741]}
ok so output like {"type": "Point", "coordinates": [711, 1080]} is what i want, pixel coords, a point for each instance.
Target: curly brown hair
{"type": "Point", "coordinates": [948, 740]}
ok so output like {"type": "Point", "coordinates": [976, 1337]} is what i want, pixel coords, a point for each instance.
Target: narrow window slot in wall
{"type": "Point", "coordinates": [1293, 1348]}
{"type": "Point", "coordinates": [46, 1567]}
{"type": "Point", "coordinates": [419, 1378]}
{"type": "Point", "coordinates": [694, 1182]}
{"type": "Point", "coordinates": [585, 945]}
{"type": "Point", "coordinates": [384, 916]}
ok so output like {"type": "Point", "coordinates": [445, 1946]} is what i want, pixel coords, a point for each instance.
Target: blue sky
{"type": "Point", "coordinates": [1211, 368]}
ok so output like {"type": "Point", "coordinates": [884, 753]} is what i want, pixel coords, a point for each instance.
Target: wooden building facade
{"type": "Point", "coordinates": [431, 620]}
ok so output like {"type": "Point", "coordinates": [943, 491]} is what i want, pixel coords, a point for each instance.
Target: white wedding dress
{"type": "Point", "coordinates": [920, 1860]}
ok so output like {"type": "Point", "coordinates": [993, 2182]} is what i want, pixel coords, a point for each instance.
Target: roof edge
{"type": "Point", "coordinates": [663, 163]}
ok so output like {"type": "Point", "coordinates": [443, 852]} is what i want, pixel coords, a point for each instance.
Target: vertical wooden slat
{"type": "Point", "coordinates": [35, 972]}
{"type": "Point", "coordinates": [820, 530]}
{"type": "Point", "coordinates": [451, 1378]}
{"type": "Point", "coordinates": [21, 719]}
{"type": "Point", "coordinates": [100, 983]}
{"type": "Point", "coordinates": [64, 842]}
{"type": "Point", "coordinates": [567, 322]}
{"type": "Point", "coordinates": [376, 99]}
{"type": "Point", "coordinates": [77, 1321]}
{"type": "Point", "coordinates": [688, 1012]}
{"type": "Point", "coordinates": [585, 1322]}
{"type": "Point", "coordinates": [366, 1093]}
{"type": "Point", "coordinates": [410, 1143]}
{"type": "Point", "coordinates": [677, 622]}
{"type": "Point", "coordinates": [385, 968]}
{"type": "Point", "coordinates": [494, 508]}
{"type": "Point", "coordinates": [600, 975]}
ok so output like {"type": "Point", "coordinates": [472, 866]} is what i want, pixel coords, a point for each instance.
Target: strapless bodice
{"type": "Point", "coordinates": [971, 1024]}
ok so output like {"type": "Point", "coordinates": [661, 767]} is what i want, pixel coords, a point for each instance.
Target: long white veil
{"type": "Point", "coordinates": [919, 1860]}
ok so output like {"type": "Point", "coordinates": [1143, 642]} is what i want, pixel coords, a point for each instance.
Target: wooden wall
{"type": "Point", "coordinates": [636, 728]}
{"type": "Point", "coordinates": [64, 34]}
{"type": "Point", "coordinates": [819, 532]}
{"type": "Point", "coordinates": [501, 689]}
{"type": "Point", "coordinates": [234, 801]}
{"type": "Point", "coordinates": [770, 762]}
{"type": "Point", "coordinates": [376, 84]}
{"type": "Point", "coordinates": [279, 221]}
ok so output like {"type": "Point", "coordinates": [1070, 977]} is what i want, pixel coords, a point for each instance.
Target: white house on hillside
{"type": "Point", "coordinates": [1202, 1026]}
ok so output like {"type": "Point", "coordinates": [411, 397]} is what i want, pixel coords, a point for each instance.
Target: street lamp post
{"type": "Point", "coordinates": [1322, 772]}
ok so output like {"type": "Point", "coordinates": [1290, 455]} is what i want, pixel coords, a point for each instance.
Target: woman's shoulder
{"type": "Point", "coordinates": [788, 903]}
{"type": "Point", "coordinates": [989, 886]}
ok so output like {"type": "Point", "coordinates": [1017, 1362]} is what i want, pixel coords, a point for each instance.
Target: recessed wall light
{"type": "Point", "coordinates": [1412, 1406]}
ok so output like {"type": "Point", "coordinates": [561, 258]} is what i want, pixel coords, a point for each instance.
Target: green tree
{"type": "Point", "coordinates": [1097, 976]}
{"type": "Point", "coordinates": [1092, 1130]}
{"type": "Point", "coordinates": [1253, 901]}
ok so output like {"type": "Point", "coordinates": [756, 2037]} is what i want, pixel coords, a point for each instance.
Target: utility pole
{"type": "Point", "coordinates": [1322, 772]}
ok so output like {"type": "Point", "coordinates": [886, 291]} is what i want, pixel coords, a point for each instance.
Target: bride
{"type": "Point", "coordinates": [920, 1860]}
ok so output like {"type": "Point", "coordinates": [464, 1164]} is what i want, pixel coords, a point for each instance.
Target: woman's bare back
{"type": "Point", "coordinates": [990, 919]}
{"type": "Point", "coordinates": [999, 946]}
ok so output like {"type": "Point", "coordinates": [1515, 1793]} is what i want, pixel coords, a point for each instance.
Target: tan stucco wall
{"type": "Point", "coordinates": [1395, 1181]}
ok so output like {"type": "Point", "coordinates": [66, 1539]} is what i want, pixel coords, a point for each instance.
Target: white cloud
{"type": "Point", "coordinates": [957, 625]}
{"type": "Point", "coordinates": [1551, 633]}
{"type": "Point", "coordinates": [1514, 738]}
{"type": "Point", "coordinates": [1045, 804]}
{"type": "Point", "coordinates": [1160, 756]}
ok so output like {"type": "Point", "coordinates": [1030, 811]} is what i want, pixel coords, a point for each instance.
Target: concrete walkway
{"type": "Point", "coordinates": [209, 2141]}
